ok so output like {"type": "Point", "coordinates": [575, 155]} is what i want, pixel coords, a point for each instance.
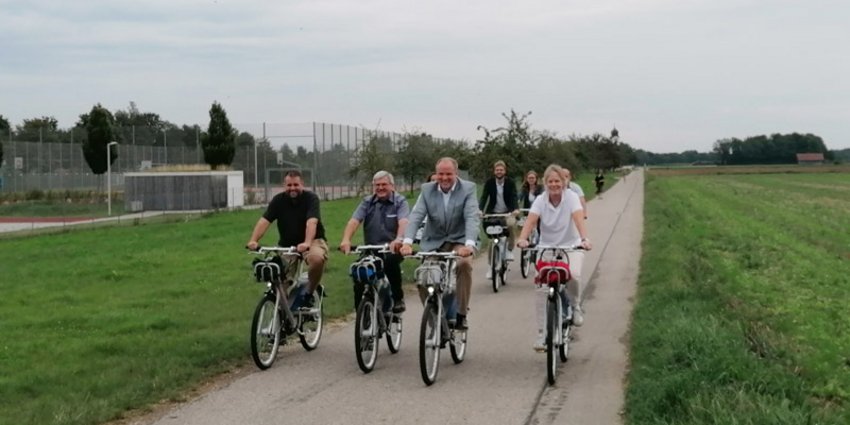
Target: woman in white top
{"type": "Point", "coordinates": [561, 219]}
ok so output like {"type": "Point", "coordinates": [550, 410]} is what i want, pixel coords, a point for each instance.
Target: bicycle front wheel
{"type": "Point", "coordinates": [524, 261]}
{"type": "Point", "coordinates": [312, 322]}
{"type": "Point", "coordinates": [564, 348]}
{"type": "Point", "coordinates": [495, 265]}
{"type": "Point", "coordinates": [429, 343]}
{"type": "Point", "coordinates": [366, 333]}
{"type": "Point", "coordinates": [551, 328]}
{"type": "Point", "coordinates": [265, 332]}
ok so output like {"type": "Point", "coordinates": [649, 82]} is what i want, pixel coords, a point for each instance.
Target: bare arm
{"type": "Point", "coordinates": [583, 206]}
{"type": "Point", "coordinates": [350, 228]}
{"type": "Point", "coordinates": [530, 224]}
{"type": "Point", "coordinates": [310, 231]}
{"type": "Point", "coordinates": [259, 230]}
{"type": "Point", "coordinates": [578, 219]}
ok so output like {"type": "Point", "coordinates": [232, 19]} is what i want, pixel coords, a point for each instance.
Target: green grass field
{"type": "Point", "coordinates": [742, 314]}
{"type": "Point", "coordinates": [96, 322]}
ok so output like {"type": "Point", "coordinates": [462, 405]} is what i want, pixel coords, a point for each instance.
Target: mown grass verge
{"type": "Point", "coordinates": [97, 322]}
{"type": "Point", "coordinates": [742, 313]}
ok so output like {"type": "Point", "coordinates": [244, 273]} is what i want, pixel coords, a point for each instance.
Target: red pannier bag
{"type": "Point", "coordinates": [552, 272]}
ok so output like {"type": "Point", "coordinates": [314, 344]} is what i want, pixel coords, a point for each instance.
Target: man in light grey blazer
{"type": "Point", "coordinates": [451, 207]}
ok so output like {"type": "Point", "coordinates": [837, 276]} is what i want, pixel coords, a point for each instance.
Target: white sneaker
{"type": "Point", "coordinates": [578, 317]}
{"type": "Point", "coordinates": [489, 273]}
{"type": "Point", "coordinates": [509, 256]}
{"type": "Point", "coordinates": [540, 344]}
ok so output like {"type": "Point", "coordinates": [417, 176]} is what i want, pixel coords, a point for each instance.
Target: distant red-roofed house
{"type": "Point", "coordinates": [810, 158]}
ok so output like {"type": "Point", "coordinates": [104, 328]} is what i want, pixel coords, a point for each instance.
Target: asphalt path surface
{"type": "Point", "coordinates": [501, 381]}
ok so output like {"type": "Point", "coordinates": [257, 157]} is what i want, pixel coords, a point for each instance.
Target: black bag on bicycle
{"type": "Point", "coordinates": [495, 226]}
{"type": "Point", "coordinates": [268, 270]}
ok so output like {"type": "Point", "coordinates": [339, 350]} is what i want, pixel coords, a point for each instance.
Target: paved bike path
{"type": "Point", "coordinates": [502, 380]}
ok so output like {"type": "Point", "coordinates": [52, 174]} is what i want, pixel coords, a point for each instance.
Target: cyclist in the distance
{"type": "Point", "coordinates": [499, 196]}
{"type": "Point", "coordinates": [561, 219]}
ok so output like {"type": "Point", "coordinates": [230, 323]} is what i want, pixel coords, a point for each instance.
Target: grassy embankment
{"type": "Point", "coordinates": [742, 313]}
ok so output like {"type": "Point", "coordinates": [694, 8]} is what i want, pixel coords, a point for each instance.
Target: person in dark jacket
{"type": "Point", "coordinates": [500, 197]}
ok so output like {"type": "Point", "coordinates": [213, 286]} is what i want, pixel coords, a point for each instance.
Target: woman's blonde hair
{"type": "Point", "coordinates": [553, 168]}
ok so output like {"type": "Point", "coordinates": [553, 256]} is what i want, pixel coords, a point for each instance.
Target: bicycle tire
{"type": "Point", "coordinates": [312, 323]}
{"type": "Point", "coordinates": [265, 332]}
{"type": "Point", "coordinates": [366, 337]}
{"type": "Point", "coordinates": [551, 328]}
{"type": "Point", "coordinates": [495, 265]}
{"type": "Point", "coordinates": [429, 343]}
{"type": "Point", "coordinates": [394, 333]}
{"type": "Point", "coordinates": [524, 261]}
{"type": "Point", "coordinates": [457, 346]}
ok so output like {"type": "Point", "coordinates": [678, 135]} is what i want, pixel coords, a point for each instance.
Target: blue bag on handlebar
{"type": "Point", "coordinates": [367, 270]}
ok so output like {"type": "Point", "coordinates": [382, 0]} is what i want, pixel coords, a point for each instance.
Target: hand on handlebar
{"type": "Point", "coordinates": [464, 251]}
{"type": "Point", "coordinates": [522, 243]}
{"type": "Point", "coordinates": [406, 249]}
{"type": "Point", "coordinates": [252, 245]}
{"type": "Point", "coordinates": [345, 247]}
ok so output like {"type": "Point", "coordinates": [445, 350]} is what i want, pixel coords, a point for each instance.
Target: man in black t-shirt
{"type": "Point", "coordinates": [299, 224]}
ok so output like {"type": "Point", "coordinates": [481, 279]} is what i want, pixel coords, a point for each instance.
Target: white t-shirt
{"type": "Point", "coordinates": [576, 188]}
{"type": "Point", "coordinates": [556, 223]}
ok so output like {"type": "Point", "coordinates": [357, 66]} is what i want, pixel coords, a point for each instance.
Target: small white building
{"type": "Point", "coordinates": [183, 190]}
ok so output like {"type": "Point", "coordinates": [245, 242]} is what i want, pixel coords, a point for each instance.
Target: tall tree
{"type": "Point", "coordinates": [219, 142]}
{"type": "Point", "coordinates": [416, 157]}
{"type": "Point", "coordinates": [100, 130]}
{"type": "Point", "coordinates": [42, 129]}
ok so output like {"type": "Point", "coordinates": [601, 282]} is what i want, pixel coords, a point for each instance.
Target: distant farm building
{"type": "Point", "coordinates": [810, 158]}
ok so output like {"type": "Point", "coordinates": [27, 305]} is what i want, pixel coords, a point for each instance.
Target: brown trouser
{"type": "Point", "coordinates": [315, 259]}
{"type": "Point", "coordinates": [464, 279]}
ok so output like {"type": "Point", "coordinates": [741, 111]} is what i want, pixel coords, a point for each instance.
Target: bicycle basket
{"type": "Point", "coordinates": [549, 272]}
{"type": "Point", "coordinates": [367, 270]}
{"type": "Point", "coordinates": [268, 270]}
{"type": "Point", "coordinates": [427, 275]}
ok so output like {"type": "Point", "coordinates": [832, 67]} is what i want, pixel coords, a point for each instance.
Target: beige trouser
{"type": "Point", "coordinates": [464, 279]}
{"type": "Point", "coordinates": [574, 289]}
{"type": "Point", "coordinates": [315, 259]}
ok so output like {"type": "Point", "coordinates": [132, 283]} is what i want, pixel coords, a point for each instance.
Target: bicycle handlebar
{"type": "Point", "coordinates": [431, 254]}
{"type": "Point", "coordinates": [359, 249]}
{"type": "Point", "coordinates": [291, 250]}
{"type": "Point", "coordinates": [565, 248]}
{"type": "Point", "coordinates": [500, 215]}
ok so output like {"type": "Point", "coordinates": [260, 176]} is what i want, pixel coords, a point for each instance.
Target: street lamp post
{"type": "Point", "coordinates": [109, 177]}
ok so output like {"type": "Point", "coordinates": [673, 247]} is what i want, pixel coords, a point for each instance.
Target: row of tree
{"type": "Point", "coordinates": [516, 143]}
{"type": "Point", "coordinates": [218, 142]}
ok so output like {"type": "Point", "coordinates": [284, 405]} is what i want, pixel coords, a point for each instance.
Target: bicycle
{"type": "Point", "coordinates": [276, 317]}
{"type": "Point", "coordinates": [527, 256]}
{"type": "Point", "coordinates": [559, 309]}
{"type": "Point", "coordinates": [497, 231]}
{"type": "Point", "coordinates": [368, 270]}
{"type": "Point", "coordinates": [437, 275]}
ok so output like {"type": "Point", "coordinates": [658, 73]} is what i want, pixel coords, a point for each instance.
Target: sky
{"type": "Point", "coordinates": [671, 75]}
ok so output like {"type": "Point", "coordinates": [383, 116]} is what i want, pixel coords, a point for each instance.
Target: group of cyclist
{"type": "Point", "coordinates": [449, 206]}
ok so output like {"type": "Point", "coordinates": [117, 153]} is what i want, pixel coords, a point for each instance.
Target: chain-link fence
{"type": "Point", "coordinates": [52, 160]}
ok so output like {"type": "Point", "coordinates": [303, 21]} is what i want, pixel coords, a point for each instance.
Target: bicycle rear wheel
{"type": "Point", "coordinates": [265, 332]}
{"type": "Point", "coordinates": [429, 342]}
{"type": "Point", "coordinates": [366, 333]}
{"type": "Point", "coordinates": [495, 265]}
{"type": "Point", "coordinates": [457, 346]}
{"type": "Point", "coordinates": [551, 328]}
{"type": "Point", "coordinates": [394, 333]}
{"type": "Point", "coordinates": [312, 322]}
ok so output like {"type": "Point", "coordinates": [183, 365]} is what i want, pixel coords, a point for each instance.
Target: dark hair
{"type": "Point", "coordinates": [428, 177]}
{"type": "Point", "coordinates": [293, 173]}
